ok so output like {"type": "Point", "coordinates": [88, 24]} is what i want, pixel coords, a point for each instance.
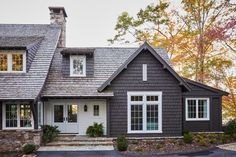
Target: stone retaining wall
{"type": "Point", "coordinates": [14, 140]}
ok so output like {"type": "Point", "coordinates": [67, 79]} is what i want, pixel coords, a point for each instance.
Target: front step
{"type": "Point", "coordinates": [78, 143]}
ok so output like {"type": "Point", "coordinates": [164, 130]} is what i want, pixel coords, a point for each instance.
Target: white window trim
{"type": "Point", "coordinates": [72, 57]}
{"type": "Point", "coordinates": [144, 94]}
{"type": "Point", "coordinates": [197, 119]}
{"type": "Point", "coordinates": [144, 72]}
{"type": "Point", "coordinates": [40, 114]}
{"type": "Point", "coordinates": [18, 118]}
{"type": "Point", "coordinates": [9, 62]}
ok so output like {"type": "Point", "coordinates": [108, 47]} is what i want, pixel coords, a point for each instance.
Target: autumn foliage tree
{"type": "Point", "coordinates": [190, 34]}
{"type": "Point", "coordinates": [229, 102]}
{"type": "Point", "coordinates": [199, 37]}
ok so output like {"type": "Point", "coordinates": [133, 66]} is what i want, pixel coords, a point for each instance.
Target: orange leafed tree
{"type": "Point", "coordinates": [229, 102]}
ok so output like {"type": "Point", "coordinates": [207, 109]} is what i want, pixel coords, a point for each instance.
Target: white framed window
{"type": "Point", "coordinates": [144, 112]}
{"type": "Point", "coordinates": [78, 65]}
{"type": "Point", "coordinates": [14, 62]}
{"type": "Point", "coordinates": [197, 109]}
{"type": "Point", "coordinates": [144, 72]}
{"type": "Point", "coordinates": [96, 110]}
{"type": "Point", "coordinates": [17, 116]}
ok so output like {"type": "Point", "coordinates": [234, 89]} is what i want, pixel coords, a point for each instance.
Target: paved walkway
{"type": "Point", "coordinates": [231, 146]}
{"type": "Point", "coordinates": [75, 148]}
{"type": "Point", "coordinates": [211, 153]}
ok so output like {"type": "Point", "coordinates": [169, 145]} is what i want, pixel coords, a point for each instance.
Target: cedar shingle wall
{"type": "Point", "coordinates": [158, 79]}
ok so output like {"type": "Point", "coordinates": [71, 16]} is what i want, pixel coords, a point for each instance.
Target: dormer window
{"type": "Point", "coordinates": [78, 65]}
{"type": "Point", "coordinates": [13, 62]}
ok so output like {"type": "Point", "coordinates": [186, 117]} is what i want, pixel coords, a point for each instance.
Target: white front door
{"type": "Point", "coordinates": [66, 117]}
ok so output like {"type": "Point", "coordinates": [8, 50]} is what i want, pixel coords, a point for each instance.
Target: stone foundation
{"type": "Point", "coordinates": [14, 140]}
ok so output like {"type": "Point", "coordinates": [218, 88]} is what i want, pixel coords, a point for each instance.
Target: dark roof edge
{"type": "Point", "coordinates": [13, 48]}
{"type": "Point", "coordinates": [206, 87]}
{"type": "Point", "coordinates": [156, 55]}
{"type": "Point", "coordinates": [77, 96]}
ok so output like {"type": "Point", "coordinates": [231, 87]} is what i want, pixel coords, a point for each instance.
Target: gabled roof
{"type": "Point", "coordinates": [28, 85]}
{"type": "Point", "coordinates": [221, 92]}
{"type": "Point", "coordinates": [145, 46]}
{"type": "Point", "coordinates": [106, 61]}
{"type": "Point", "coordinates": [20, 42]}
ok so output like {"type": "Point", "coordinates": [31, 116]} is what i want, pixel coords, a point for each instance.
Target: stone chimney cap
{"type": "Point", "coordinates": [57, 10]}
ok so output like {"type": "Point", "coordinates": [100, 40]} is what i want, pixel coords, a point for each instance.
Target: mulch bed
{"type": "Point", "coordinates": [202, 141]}
{"type": "Point", "coordinates": [164, 147]}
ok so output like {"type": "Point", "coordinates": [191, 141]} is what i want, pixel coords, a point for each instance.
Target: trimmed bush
{"type": "Point", "coordinates": [230, 127]}
{"type": "Point", "coordinates": [29, 149]}
{"type": "Point", "coordinates": [95, 130]}
{"type": "Point", "coordinates": [49, 133]}
{"type": "Point", "coordinates": [188, 137]}
{"type": "Point", "coordinates": [122, 143]}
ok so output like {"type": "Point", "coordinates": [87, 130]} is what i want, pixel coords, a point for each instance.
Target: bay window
{"type": "Point", "coordinates": [197, 109]}
{"type": "Point", "coordinates": [144, 112]}
{"type": "Point", "coordinates": [17, 116]}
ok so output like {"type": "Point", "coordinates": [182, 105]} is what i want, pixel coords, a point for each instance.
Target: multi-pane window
{"type": "Point", "coordinates": [136, 117]}
{"type": "Point", "coordinates": [12, 62]}
{"type": "Point", "coordinates": [77, 65]}
{"type": "Point", "coordinates": [17, 115]}
{"type": "Point", "coordinates": [17, 62]}
{"type": "Point", "coordinates": [11, 115]}
{"type": "Point", "coordinates": [152, 117]}
{"type": "Point", "coordinates": [197, 109]}
{"type": "Point", "coordinates": [144, 112]}
{"type": "Point", "coordinates": [3, 62]}
{"type": "Point", "coordinates": [96, 110]}
{"type": "Point", "coordinates": [25, 115]}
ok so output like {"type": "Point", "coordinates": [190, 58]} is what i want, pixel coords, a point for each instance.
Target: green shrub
{"type": "Point", "coordinates": [49, 133]}
{"type": "Point", "coordinates": [29, 148]}
{"type": "Point", "coordinates": [230, 127]}
{"type": "Point", "coordinates": [122, 143]}
{"type": "Point", "coordinates": [95, 130]}
{"type": "Point", "coordinates": [188, 137]}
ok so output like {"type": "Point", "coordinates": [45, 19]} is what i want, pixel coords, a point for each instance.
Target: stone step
{"type": "Point", "coordinates": [83, 139]}
{"type": "Point", "coordinates": [80, 143]}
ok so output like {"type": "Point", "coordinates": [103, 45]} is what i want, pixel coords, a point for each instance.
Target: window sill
{"type": "Point", "coordinates": [23, 128]}
{"type": "Point", "coordinates": [205, 119]}
{"type": "Point", "coordinates": [77, 75]}
{"type": "Point", "coordinates": [144, 132]}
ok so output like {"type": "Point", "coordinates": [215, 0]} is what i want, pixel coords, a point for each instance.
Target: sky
{"type": "Point", "coordinates": [89, 24]}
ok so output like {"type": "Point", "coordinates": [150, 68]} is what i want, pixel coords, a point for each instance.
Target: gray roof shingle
{"type": "Point", "coordinates": [106, 62]}
{"type": "Point", "coordinates": [28, 85]}
{"type": "Point", "coordinates": [18, 42]}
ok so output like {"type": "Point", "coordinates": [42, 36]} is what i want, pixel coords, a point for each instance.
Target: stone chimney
{"type": "Point", "coordinates": [58, 16]}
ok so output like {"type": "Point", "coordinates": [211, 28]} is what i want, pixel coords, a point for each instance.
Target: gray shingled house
{"type": "Point", "coordinates": [132, 91]}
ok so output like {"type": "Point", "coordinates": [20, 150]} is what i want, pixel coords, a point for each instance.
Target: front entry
{"type": "Point", "coordinates": [66, 117]}
{"type": "Point", "coordinates": [75, 115]}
